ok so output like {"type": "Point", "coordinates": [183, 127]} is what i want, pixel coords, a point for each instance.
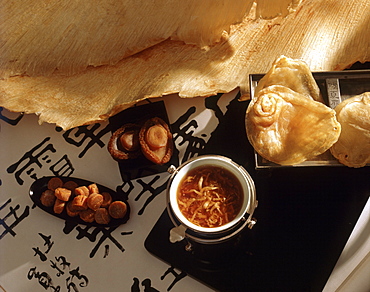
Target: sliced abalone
{"type": "Point", "coordinates": [124, 143]}
{"type": "Point", "coordinates": [156, 141]}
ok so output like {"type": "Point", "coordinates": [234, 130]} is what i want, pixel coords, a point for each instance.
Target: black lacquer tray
{"type": "Point", "coordinates": [304, 219]}
{"type": "Point", "coordinates": [41, 185]}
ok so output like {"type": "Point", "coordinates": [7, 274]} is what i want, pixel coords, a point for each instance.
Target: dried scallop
{"type": "Point", "coordinates": [288, 128]}
{"type": "Point", "coordinates": [353, 146]}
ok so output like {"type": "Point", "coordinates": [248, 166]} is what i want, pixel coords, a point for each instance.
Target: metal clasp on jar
{"type": "Point", "coordinates": [252, 222]}
{"type": "Point", "coordinates": [172, 169]}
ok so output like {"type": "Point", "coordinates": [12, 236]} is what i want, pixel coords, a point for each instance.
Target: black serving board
{"type": "Point", "coordinates": [140, 166]}
{"type": "Point", "coordinates": [304, 219]}
{"type": "Point", "coordinates": [41, 185]}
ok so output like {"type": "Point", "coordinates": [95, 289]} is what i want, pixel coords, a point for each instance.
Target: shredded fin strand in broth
{"type": "Point", "coordinates": [210, 196]}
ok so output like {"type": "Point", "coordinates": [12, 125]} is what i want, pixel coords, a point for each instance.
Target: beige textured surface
{"type": "Point", "coordinates": [326, 34]}
{"type": "Point", "coordinates": [70, 35]}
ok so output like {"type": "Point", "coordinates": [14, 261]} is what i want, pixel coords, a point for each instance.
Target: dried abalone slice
{"type": "Point", "coordinates": [156, 141]}
{"type": "Point", "coordinates": [294, 74]}
{"type": "Point", "coordinates": [288, 128]}
{"type": "Point", "coordinates": [124, 143]}
{"type": "Point", "coordinates": [353, 146]}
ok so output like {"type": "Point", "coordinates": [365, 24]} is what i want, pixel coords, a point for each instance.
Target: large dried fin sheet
{"type": "Point", "coordinates": [69, 35]}
{"type": "Point", "coordinates": [326, 34]}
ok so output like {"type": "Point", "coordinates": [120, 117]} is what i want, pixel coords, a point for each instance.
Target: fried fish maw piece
{"type": "Point", "coordinates": [353, 146]}
{"type": "Point", "coordinates": [294, 74]}
{"type": "Point", "coordinates": [288, 128]}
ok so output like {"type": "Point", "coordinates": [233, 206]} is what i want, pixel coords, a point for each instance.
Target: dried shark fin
{"type": "Point", "coordinates": [320, 32]}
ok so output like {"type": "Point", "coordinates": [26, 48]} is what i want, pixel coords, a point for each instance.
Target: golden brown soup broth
{"type": "Point", "coordinates": [210, 196]}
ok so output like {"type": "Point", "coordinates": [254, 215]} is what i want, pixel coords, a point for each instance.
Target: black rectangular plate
{"type": "Point", "coordinates": [304, 218]}
{"type": "Point", "coordinates": [140, 167]}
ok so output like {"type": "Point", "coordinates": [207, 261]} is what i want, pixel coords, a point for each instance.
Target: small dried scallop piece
{"type": "Point", "coordinates": [94, 201]}
{"type": "Point", "coordinates": [59, 206]}
{"type": "Point", "coordinates": [156, 141]}
{"type": "Point", "coordinates": [63, 194]}
{"type": "Point", "coordinates": [287, 128]}
{"type": "Point", "coordinates": [353, 146]}
{"type": "Point", "coordinates": [48, 198]}
{"type": "Point", "coordinates": [294, 74]}
{"type": "Point", "coordinates": [54, 183]}
{"type": "Point", "coordinates": [102, 216]}
{"type": "Point", "coordinates": [70, 185]}
{"type": "Point", "coordinates": [71, 211]}
{"type": "Point", "coordinates": [82, 191]}
{"type": "Point", "coordinates": [107, 199]}
{"type": "Point", "coordinates": [87, 215]}
{"type": "Point", "coordinates": [93, 189]}
{"type": "Point", "coordinates": [117, 209]}
{"type": "Point", "coordinates": [80, 202]}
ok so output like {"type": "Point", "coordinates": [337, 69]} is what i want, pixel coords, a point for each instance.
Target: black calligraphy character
{"type": "Point", "coordinates": [12, 212]}
{"type": "Point", "coordinates": [146, 283]}
{"type": "Point", "coordinates": [44, 279]}
{"type": "Point", "coordinates": [125, 189]}
{"type": "Point", "coordinates": [54, 266]}
{"type": "Point", "coordinates": [71, 286]}
{"type": "Point", "coordinates": [85, 133]}
{"type": "Point", "coordinates": [135, 286]}
{"type": "Point", "coordinates": [230, 124]}
{"type": "Point", "coordinates": [40, 254]}
{"type": "Point", "coordinates": [153, 191]}
{"type": "Point", "coordinates": [63, 167]}
{"type": "Point", "coordinates": [48, 243]}
{"type": "Point", "coordinates": [211, 103]}
{"type": "Point", "coordinates": [32, 159]}
{"type": "Point", "coordinates": [12, 122]}
{"type": "Point", "coordinates": [178, 276]}
{"type": "Point", "coordinates": [62, 262]}
{"type": "Point", "coordinates": [185, 134]}
{"type": "Point", "coordinates": [106, 253]}
{"type": "Point", "coordinates": [106, 233]}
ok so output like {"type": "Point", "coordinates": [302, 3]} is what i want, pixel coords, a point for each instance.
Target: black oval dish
{"type": "Point", "coordinates": [41, 185]}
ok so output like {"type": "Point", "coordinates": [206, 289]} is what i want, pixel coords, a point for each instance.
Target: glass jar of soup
{"type": "Point", "coordinates": [210, 199]}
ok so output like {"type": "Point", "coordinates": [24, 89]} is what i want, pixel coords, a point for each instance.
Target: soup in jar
{"type": "Point", "coordinates": [210, 196]}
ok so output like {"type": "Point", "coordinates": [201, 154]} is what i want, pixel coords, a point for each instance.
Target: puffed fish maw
{"type": "Point", "coordinates": [288, 128]}
{"type": "Point", "coordinates": [353, 146]}
{"type": "Point", "coordinates": [294, 74]}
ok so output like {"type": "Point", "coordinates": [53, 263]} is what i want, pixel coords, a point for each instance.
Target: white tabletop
{"type": "Point", "coordinates": [39, 253]}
